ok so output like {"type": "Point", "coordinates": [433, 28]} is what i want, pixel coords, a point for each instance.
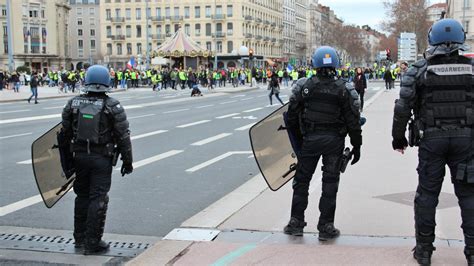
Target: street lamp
{"type": "Point", "coordinates": [215, 34]}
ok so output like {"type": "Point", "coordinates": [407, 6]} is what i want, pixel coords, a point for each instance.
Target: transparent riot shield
{"type": "Point", "coordinates": [52, 166]}
{"type": "Point", "coordinates": [273, 150]}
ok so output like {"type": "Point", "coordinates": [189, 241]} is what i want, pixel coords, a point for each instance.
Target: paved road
{"type": "Point", "coordinates": [188, 153]}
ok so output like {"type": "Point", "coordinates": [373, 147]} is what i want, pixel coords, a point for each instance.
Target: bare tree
{"type": "Point", "coordinates": [408, 16]}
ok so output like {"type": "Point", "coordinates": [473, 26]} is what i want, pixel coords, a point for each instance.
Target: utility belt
{"type": "Point", "coordinates": [101, 149]}
{"type": "Point", "coordinates": [331, 128]}
{"type": "Point", "coordinates": [418, 131]}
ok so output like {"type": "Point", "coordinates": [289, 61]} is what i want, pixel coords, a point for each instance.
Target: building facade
{"type": "Point", "coordinates": [289, 30]}
{"type": "Point", "coordinates": [38, 35]}
{"type": "Point", "coordinates": [435, 11]}
{"type": "Point", "coordinates": [217, 25]}
{"type": "Point", "coordinates": [301, 7]}
{"type": "Point", "coordinates": [463, 11]}
{"type": "Point", "coordinates": [84, 32]}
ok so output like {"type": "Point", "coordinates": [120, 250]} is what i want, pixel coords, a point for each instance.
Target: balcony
{"type": "Point", "coordinates": [218, 17]}
{"type": "Point", "coordinates": [177, 18]}
{"type": "Point", "coordinates": [167, 35]}
{"type": "Point", "coordinates": [274, 39]}
{"type": "Point", "coordinates": [116, 19]}
{"type": "Point", "coordinates": [218, 35]}
{"type": "Point", "coordinates": [248, 19]}
{"type": "Point", "coordinates": [118, 37]}
{"type": "Point", "coordinates": [158, 37]}
{"type": "Point", "coordinates": [258, 37]}
{"type": "Point", "coordinates": [248, 35]}
{"type": "Point", "coordinates": [266, 23]}
{"type": "Point", "coordinates": [157, 18]}
{"type": "Point", "coordinates": [273, 24]}
{"type": "Point", "coordinates": [300, 45]}
{"type": "Point", "coordinates": [258, 20]}
{"type": "Point", "coordinates": [267, 39]}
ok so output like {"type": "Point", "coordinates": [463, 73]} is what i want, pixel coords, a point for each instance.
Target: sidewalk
{"type": "Point", "coordinates": [374, 214]}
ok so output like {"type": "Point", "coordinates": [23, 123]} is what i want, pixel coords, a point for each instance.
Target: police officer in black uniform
{"type": "Point", "coordinates": [438, 91]}
{"type": "Point", "coordinates": [97, 128]}
{"type": "Point", "coordinates": [321, 112]}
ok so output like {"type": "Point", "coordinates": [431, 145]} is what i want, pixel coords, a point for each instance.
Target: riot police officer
{"type": "Point", "coordinates": [97, 128]}
{"type": "Point", "coordinates": [321, 112]}
{"type": "Point", "coordinates": [438, 91]}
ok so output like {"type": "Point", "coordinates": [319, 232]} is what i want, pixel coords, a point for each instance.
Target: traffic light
{"type": "Point", "coordinates": [251, 54]}
{"type": "Point", "coordinates": [388, 54]}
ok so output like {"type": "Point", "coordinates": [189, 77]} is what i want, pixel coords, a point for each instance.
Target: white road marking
{"type": "Point", "coordinates": [146, 97]}
{"type": "Point", "coordinates": [245, 127]}
{"type": "Point", "coordinates": [30, 118]}
{"type": "Point", "coordinates": [262, 96]}
{"type": "Point", "coordinates": [19, 205]}
{"type": "Point", "coordinates": [376, 89]}
{"type": "Point", "coordinates": [140, 116]}
{"type": "Point", "coordinates": [148, 134]}
{"type": "Point", "coordinates": [53, 107]}
{"type": "Point", "coordinates": [168, 97]}
{"type": "Point", "coordinates": [175, 111]}
{"type": "Point", "coordinates": [246, 99]}
{"type": "Point", "coordinates": [229, 115]}
{"type": "Point", "coordinates": [193, 124]}
{"type": "Point", "coordinates": [204, 106]}
{"type": "Point", "coordinates": [211, 139]}
{"type": "Point", "coordinates": [25, 162]}
{"type": "Point", "coordinates": [241, 95]}
{"type": "Point", "coordinates": [228, 102]}
{"type": "Point", "coordinates": [154, 159]}
{"type": "Point", "coordinates": [16, 111]}
{"type": "Point", "coordinates": [214, 160]}
{"type": "Point", "coordinates": [18, 135]}
{"type": "Point", "coordinates": [253, 110]}
{"type": "Point", "coordinates": [128, 107]}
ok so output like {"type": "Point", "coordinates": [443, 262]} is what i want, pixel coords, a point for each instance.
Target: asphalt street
{"type": "Point", "coordinates": [188, 153]}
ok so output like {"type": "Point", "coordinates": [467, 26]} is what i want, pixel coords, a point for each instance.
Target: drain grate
{"type": "Point", "coordinates": [61, 244]}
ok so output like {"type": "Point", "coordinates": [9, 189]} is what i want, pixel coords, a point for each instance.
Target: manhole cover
{"type": "Point", "coordinates": [446, 200]}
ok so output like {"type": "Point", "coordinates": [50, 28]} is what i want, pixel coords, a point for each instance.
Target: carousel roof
{"type": "Point", "coordinates": [179, 45]}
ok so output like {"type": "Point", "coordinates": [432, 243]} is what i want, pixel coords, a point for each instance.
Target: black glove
{"type": "Point", "coordinates": [356, 155]}
{"type": "Point", "coordinates": [127, 168]}
{"type": "Point", "coordinates": [400, 144]}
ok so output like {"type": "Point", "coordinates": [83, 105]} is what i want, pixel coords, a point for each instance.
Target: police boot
{"type": "Point", "coordinates": [80, 219]}
{"type": "Point", "coordinates": [294, 227]}
{"type": "Point", "coordinates": [327, 232]}
{"type": "Point", "coordinates": [469, 252]}
{"type": "Point", "coordinates": [422, 253]}
{"type": "Point", "coordinates": [94, 243]}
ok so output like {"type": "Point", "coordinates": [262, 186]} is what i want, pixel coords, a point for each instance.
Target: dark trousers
{"type": "Point", "coordinates": [433, 155]}
{"type": "Point", "coordinates": [92, 184]}
{"type": "Point", "coordinates": [361, 96]}
{"type": "Point", "coordinates": [330, 147]}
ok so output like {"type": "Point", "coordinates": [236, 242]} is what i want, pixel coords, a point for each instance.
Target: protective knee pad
{"type": "Point", "coordinates": [329, 189]}
{"type": "Point", "coordinates": [102, 213]}
{"type": "Point", "coordinates": [300, 188]}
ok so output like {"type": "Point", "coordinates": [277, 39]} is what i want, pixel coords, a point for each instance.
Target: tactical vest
{"type": "Point", "coordinates": [91, 126]}
{"type": "Point", "coordinates": [447, 93]}
{"type": "Point", "coordinates": [322, 101]}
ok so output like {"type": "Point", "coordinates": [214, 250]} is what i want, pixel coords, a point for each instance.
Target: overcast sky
{"type": "Point", "coordinates": [361, 12]}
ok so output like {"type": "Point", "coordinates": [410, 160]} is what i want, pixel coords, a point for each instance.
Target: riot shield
{"type": "Point", "coordinates": [273, 150]}
{"type": "Point", "coordinates": [52, 166]}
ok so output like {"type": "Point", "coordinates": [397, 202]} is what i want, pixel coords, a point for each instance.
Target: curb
{"type": "Point", "coordinates": [52, 97]}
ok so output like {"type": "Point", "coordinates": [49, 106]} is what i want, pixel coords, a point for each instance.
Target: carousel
{"type": "Point", "coordinates": [183, 51]}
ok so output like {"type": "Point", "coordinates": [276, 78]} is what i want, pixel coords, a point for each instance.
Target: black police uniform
{"type": "Point", "coordinates": [93, 155]}
{"type": "Point", "coordinates": [324, 110]}
{"type": "Point", "coordinates": [439, 92]}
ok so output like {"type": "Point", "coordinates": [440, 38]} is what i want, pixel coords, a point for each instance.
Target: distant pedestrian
{"type": "Point", "coordinates": [360, 84]}
{"type": "Point", "coordinates": [388, 79]}
{"type": "Point", "coordinates": [34, 87]}
{"type": "Point", "coordinates": [274, 88]}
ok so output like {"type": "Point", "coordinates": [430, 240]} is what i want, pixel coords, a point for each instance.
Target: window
{"type": "Point", "coordinates": [128, 14]}
{"type": "Point", "coordinates": [208, 46]}
{"type": "Point", "coordinates": [158, 29]}
{"type": "Point", "coordinates": [117, 12]}
{"type": "Point", "coordinates": [229, 11]}
{"type": "Point", "coordinates": [33, 13]}
{"type": "Point", "coordinates": [158, 11]}
{"type": "Point", "coordinates": [91, 11]}
{"type": "Point", "coordinates": [79, 32]}
{"type": "Point", "coordinates": [92, 21]}
{"type": "Point", "coordinates": [79, 21]}
{"type": "Point", "coordinates": [129, 48]}
{"type": "Point", "coordinates": [80, 44]}
{"type": "Point", "coordinates": [168, 12]}
{"type": "Point", "coordinates": [79, 11]}
{"type": "Point", "coordinates": [219, 10]}
{"type": "Point", "coordinates": [139, 48]}
{"type": "Point", "coordinates": [108, 14]}
{"type": "Point", "coordinates": [109, 31]}
{"type": "Point", "coordinates": [208, 29]}
{"type": "Point", "coordinates": [197, 12]}
{"type": "Point", "coordinates": [230, 28]}
{"type": "Point", "coordinates": [467, 4]}
{"type": "Point", "coordinates": [4, 12]}
{"type": "Point", "coordinates": [93, 44]}
{"type": "Point", "coordinates": [208, 11]}
{"type": "Point", "coordinates": [148, 12]}
{"type": "Point", "coordinates": [186, 29]}
{"type": "Point", "coordinates": [119, 48]}
{"type": "Point", "coordinates": [92, 32]}
{"type": "Point", "coordinates": [176, 11]}
{"type": "Point", "coordinates": [197, 29]}
{"type": "Point", "coordinates": [118, 30]}
{"type": "Point", "coordinates": [139, 31]}
{"type": "Point", "coordinates": [138, 13]}
{"type": "Point", "coordinates": [219, 28]}
{"type": "Point", "coordinates": [230, 47]}
{"type": "Point", "coordinates": [167, 29]}
{"type": "Point", "coordinates": [109, 48]}
{"type": "Point", "coordinates": [176, 27]}
{"type": "Point", "coordinates": [128, 31]}
{"type": "Point", "coordinates": [186, 12]}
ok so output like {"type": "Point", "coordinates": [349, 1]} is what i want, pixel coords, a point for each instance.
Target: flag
{"type": "Point", "coordinates": [289, 68]}
{"type": "Point", "coordinates": [131, 63]}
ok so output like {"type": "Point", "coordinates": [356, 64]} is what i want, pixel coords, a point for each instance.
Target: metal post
{"type": "Point", "coordinates": [147, 35]}
{"type": "Point", "coordinates": [215, 33]}
{"type": "Point", "coordinates": [11, 62]}
{"type": "Point", "coordinates": [464, 14]}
